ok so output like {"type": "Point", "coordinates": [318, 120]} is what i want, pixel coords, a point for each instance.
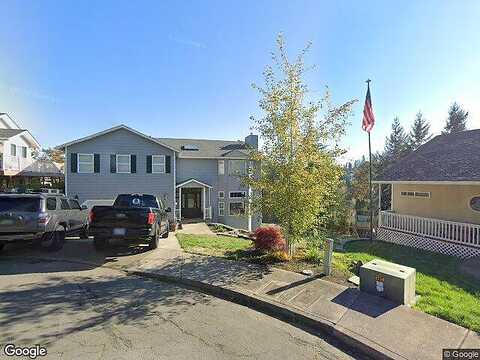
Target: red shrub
{"type": "Point", "coordinates": [269, 238]}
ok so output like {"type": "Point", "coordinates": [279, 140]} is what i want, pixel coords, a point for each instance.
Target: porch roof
{"type": "Point", "coordinates": [193, 181]}
{"type": "Point", "coordinates": [453, 158]}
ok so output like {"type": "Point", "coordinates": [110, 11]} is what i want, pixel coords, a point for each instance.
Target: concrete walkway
{"type": "Point", "coordinates": [199, 228]}
{"type": "Point", "coordinates": [378, 327]}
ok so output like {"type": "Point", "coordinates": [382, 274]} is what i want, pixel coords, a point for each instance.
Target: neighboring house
{"type": "Point", "coordinates": [17, 165]}
{"type": "Point", "coordinates": [199, 179]}
{"type": "Point", "coordinates": [435, 196]}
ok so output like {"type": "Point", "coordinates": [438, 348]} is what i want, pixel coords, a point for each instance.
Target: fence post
{"type": "Point", "coordinates": [327, 258]}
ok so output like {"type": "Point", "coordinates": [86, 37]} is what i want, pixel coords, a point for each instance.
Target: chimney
{"type": "Point", "coordinates": [252, 141]}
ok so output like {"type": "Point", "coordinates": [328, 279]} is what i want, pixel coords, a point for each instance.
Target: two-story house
{"type": "Point", "coordinates": [198, 179]}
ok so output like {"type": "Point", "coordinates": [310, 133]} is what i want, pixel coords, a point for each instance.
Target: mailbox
{"type": "Point", "coordinates": [392, 281]}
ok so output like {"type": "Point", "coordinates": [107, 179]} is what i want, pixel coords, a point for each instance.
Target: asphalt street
{"type": "Point", "coordinates": [79, 311]}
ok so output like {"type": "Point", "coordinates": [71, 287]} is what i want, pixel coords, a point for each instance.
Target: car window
{"type": "Point", "coordinates": [21, 204]}
{"type": "Point", "coordinates": [139, 201]}
{"type": "Point", "coordinates": [64, 204]}
{"type": "Point", "coordinates": [51, 203]}
{"type": "Point", "coordinates": [74, 204]}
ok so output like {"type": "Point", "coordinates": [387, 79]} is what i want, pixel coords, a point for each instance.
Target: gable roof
{"type": "Point", "coordinates": [41, 168]}
{"type": "Point", "coordinates": [115, 128]}
{"type": "Point", "coordinates": [454, 157]}
{"type": "Point", "coordinates": [8, 133]}
{"type": "Point", "coordinates": [208, 148]}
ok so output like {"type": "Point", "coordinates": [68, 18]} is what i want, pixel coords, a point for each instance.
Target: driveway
{"type": "Point", "coordinates": [80, 310]}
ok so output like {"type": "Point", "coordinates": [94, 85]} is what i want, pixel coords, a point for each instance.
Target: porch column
{"type": "Point", "coordinates": [180, 204]}
{"type": "Point", "coordinates": [379, 205]}
{"type": "Point", "coordinates": [204, 205]}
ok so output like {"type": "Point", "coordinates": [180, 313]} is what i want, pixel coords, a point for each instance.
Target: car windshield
{"type": "Point", "coordinates": [20, 204]}
{"type": "Point", "coordinates": [139, 201]}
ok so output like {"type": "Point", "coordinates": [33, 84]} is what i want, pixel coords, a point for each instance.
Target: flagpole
{"type": "Point", "coordinates": [370, 176]}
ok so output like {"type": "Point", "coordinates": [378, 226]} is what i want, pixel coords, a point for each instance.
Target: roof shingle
{"type": "Point", "coordinates": [206, 148]}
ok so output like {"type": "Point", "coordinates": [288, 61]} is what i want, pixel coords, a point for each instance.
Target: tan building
{"type": "Point", "coordinates": [435, 196]}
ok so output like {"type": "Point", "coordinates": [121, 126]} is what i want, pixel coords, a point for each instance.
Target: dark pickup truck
{"type": "Point", "coordinates": [133, 217]}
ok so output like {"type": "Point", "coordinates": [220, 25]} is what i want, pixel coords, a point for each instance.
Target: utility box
{"type": "Point", "coordinates": [392, 281]}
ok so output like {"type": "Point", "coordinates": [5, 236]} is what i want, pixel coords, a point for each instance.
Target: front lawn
{"type": "Point", "coordinates": [444, 291]}
{"type": "Point", "coordinates": [214, 245]}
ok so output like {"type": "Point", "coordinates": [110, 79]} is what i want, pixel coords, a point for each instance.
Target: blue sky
{"type": "Point", "coordinates": [184, 69]}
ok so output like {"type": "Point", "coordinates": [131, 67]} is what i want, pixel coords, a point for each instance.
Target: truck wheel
{"type": "Point", "coordinates": [153, 244]}
{"type": "Point", "coordinates": [165, 234]}
{"type": "Point", "coordinates": [54, 240]}
{"type": "Point", "coordinates": [100, 243]}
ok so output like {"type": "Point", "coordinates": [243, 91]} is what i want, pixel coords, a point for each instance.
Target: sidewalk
{"type": "Point", "coordinates": [369, 323]}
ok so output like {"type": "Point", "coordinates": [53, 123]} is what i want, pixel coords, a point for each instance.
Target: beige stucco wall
{"type": "Point", "coordinates": [446, 202]}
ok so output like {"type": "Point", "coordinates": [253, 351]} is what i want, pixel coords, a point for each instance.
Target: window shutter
{"type": "Point", "coordinates": [167, 164]}
{"type": "Point", "coordinates": [113, 163]}
{"type": "Point", "coordinates": [133, 164]}
{"type": "Point", "coordinates": [149, 164]}
{"type": "Point", "coordinates": [96, 163]}
{"type": "Point", "coordinates": [73, 162]}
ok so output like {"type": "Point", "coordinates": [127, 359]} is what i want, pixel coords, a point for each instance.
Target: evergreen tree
{"type": "Point", "coordinates": [397, 144]}
{"type": "Point", "coordinates": [420, 132]}
{"type": "Point", "coordinates": [457, 120]}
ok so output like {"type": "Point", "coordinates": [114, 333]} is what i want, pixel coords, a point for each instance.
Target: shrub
{"type": "Point", "coordinates": [314, 254]}
{"type": "Point", "coordinates": [269, 238]}
{"type": "Point", "coordinates": [280, 256]}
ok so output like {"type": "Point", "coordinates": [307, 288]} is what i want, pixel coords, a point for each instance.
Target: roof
{"type": "Point", "coordinates": [41, 168]}
{"type": "Point", "coordinates": [208, 148]}
{"type": "Point", "coordinates": [115, 128]}
{"type": "Point", "coordinates": [183, 183]}
{"type": "Point", "coordinates": [8, 133]}
{"type": "Point", "coordinates": [453, 157]}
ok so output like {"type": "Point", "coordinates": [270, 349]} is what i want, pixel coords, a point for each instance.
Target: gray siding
{"type": "Point", "coordinates": [106, 185]}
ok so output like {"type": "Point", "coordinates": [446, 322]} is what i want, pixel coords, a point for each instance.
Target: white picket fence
{"type": "Point", "coordinates": [461, 233]}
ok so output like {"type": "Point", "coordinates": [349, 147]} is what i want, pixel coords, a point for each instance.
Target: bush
{"type": "Point", "coordinates": [314, 255]}
{"type": "Point", "coordinates": [269, 238]}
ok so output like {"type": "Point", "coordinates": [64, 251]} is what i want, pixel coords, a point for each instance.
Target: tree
{"type": "Point", "coordinates": [397, 144]}
{"type": "Point", "coordinates": [300, 147]}
{"type": "Point", "coordinates": [457, 120]}
{"type": "Point", "coordinates": [419, 133]}
{"type": "Point", "coordinates": [55, 155]}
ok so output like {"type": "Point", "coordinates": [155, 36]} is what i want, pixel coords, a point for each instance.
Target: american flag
{"type": "Point", "coordinates": [368, 117]}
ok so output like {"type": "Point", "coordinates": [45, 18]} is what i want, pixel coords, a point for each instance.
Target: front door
{"type": "Point", "coordinates": [192, 203]}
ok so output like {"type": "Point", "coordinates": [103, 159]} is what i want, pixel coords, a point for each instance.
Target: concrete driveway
{"type": "Point", "coordinates": [78, 308]}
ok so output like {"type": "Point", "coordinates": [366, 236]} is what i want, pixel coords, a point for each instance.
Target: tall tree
{"type": "Point", "coordinates": [420, 132]}
{"type": "Point", "coordinates": [397, 144]}
{"type": "Point", "coordinates": [300, 146]}
{"type": "Point", "coordinates": [457, 120]}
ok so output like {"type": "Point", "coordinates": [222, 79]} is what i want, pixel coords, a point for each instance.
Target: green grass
{"type": "Point", "coordinates": [444, 291]}
{"type": "Point", "coordinates": [212, 244]}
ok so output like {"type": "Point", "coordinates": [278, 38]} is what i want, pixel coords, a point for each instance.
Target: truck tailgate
{"type": "Point", "coordinates": [110, 217]}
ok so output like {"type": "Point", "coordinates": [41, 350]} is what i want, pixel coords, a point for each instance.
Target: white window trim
{"type": "Point", "coordinates": [84, 162]}
{"type": "Point", "coordinates": [164, 164]}
{"type": "Point", "coordinates": [237, 174]}
{"type": "Point", "coordinates": [221, 167]}
{"type": "Point", "coordinates": [236, 202]}
{"type": "Point", "coordinates": [13, 146]}
{"type": "Point", "coordinates": [26, 152]}
{"type": "Point", "coordinates": [129, 163]}
{"type": "Point", "coordinates": [221, 209]}
{"type": "Point", "coordinates": [222, 196]}
{"type": "Point", "coordinates": [239, 191]}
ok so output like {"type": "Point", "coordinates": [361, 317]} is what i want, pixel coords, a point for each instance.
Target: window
{"type": "Point", "coordinates": [221, 208]}
{"type": "Point", "coordinates": [123, 164]}
{"type": "Point", "coordinates": [64, 204]}
{"type": "Point", "coordinates": [236, 209]}
{"type": "Point", "coordinates": [24, 152]}
{"type": "Point", "coordinates": [51, 203]}
{"type": "Point", "coordinates": [221, 167]}
{"type": "Point", "coordinates": [158, 164]}
{"type": "Point", "coordinates": [236, 167]}
{"type": "Point", "coordinates": [236, 194]}
{"type": "Point", "coordinates": [419, 194]}
{"type": "Point", "coordinates": [13, 149]}
{"type": "Point", "coordinates": [141, 201]}
{"type": "Point", "coordinates": [74, 204]}
{"type": "Point", "coordinates": [20, 204]}
{"type": "Point", "coordinates": [85, 163]}
{"type": "Point", "coordinates": [475, 203]}
{"type": "Point", "coordinates": [221, 194]}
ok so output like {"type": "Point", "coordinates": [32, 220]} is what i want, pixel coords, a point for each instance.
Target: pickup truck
{"type": "Point", "coordinates": [133, 217]}
{"type": "Point", "coordinates": [44, 219]}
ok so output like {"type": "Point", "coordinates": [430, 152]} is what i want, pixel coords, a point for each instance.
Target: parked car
{"type": "Point", "coordinates": [133, 217]}
{"type": "Point", "coordinates": [40, 218]}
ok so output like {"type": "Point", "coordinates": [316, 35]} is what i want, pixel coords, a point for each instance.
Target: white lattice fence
{"type": "Point", "coordinates": [425, 243]}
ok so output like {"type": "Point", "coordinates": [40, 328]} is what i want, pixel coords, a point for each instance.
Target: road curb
{"type": "Point", "coordinates": [289, 314]}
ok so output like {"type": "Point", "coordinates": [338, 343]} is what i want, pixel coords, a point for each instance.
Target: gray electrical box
{"type": "Point", "coordinates": [392, 281]}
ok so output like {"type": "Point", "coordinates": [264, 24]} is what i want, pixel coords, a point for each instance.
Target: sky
{"type": "Point", "coordinates": [185, 68]}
